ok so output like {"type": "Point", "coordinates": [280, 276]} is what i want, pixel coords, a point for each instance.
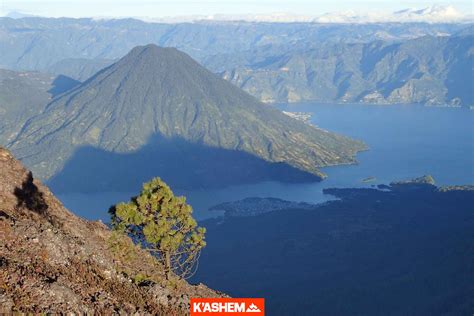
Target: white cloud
{"type": "Point", "coordinates": [432, 14]}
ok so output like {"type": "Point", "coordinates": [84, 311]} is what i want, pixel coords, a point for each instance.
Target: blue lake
{"type": "Point", "coordinates": [405, 141]}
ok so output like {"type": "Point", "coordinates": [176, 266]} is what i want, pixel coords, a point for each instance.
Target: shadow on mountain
{"type": "Point", "coordinates": [62, 84]}
{"type": "Point", "coordinates": [182, 164]}
{"type": "Point", "coordinates": [372, 54]}
{"type": "Point", "coordinates": [404, 72]}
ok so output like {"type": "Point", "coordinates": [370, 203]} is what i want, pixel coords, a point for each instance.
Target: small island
{"type": "Point", "coordinates": [426, 179]}
{"type": "Point", "coordinates": [254, 206]}
{"type": "Point", "coordinates": [369, 179]}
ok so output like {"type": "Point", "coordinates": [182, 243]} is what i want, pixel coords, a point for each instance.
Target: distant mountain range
{"type": "Point", "coordinates": [161, 92]}
{"type": "Point", "coordinates": [40, 43]}
{"type": "Point", "coordinates": [275, 62]}
{"type": "Point", "coordinates": [427, 70]}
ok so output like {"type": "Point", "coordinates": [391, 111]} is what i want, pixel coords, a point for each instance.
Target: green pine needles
{"type": "Point", "coordinates": [163, 224]}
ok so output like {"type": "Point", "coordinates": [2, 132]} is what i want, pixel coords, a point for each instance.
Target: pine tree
{"type": "Point", "coordinates": [162, 224]}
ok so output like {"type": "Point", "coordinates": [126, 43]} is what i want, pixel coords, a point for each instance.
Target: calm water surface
{"type": "Point", "coordinates": [405, 142]}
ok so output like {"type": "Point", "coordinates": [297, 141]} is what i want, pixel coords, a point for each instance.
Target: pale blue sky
{"type": "Point", "coordinates": [160, 8]}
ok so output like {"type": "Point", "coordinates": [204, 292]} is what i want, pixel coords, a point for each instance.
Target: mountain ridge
{"type": "Point", "coordinates": [25, 42]}
{"type": "Point", "coordinates": [162, 91]}
{"type": "Point", "coordinates": [428, 70]}
{"type": "Point", "coordinates": [25, 94]}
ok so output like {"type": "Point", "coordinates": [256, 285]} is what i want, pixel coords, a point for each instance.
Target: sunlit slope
{"type": "Point", "coordinates": [162, 91]}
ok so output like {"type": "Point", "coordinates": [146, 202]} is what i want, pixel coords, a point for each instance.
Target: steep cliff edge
{"type": "Point", "coordinates": [53, 261]}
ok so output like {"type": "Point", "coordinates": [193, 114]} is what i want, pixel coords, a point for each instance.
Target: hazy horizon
{"type": "Point", "coordinates": [280, 10]}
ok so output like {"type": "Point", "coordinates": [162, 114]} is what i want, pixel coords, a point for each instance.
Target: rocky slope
{"type": "Point", "coordinates": [51, 261]}
{"type": "Point", "coordinates": [161, 91]}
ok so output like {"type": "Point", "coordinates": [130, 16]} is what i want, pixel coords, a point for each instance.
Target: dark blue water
{"type": "Point", "coordinates": [405, 141]}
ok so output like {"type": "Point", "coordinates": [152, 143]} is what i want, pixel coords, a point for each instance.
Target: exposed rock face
{"type": "Point", "coordinates": [52, 261]}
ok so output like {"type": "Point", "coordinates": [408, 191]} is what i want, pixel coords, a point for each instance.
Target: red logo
{"type": "Point", "coordinates": [228, 306]}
